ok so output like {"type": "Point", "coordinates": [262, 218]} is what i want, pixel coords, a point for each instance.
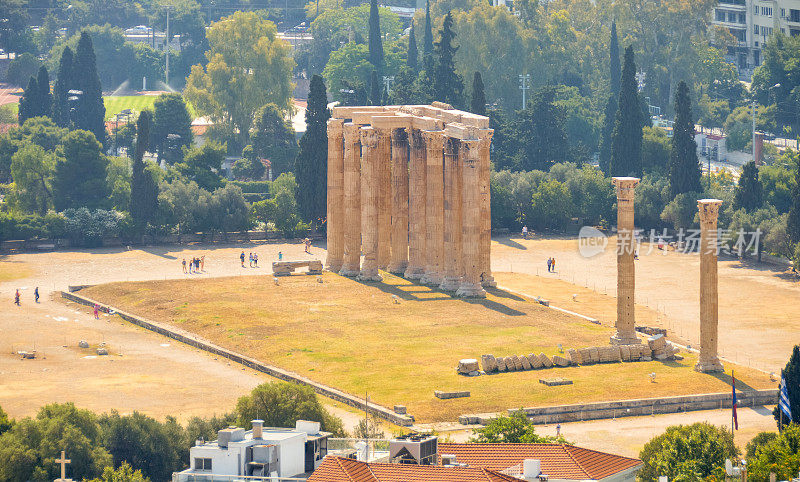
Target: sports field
{"type": "Point", "coordinates": [399, 341]}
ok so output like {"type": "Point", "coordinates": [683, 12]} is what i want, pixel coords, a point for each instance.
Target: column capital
{"type": "Point", "coordinates": [369, 137]}
{"type": "Point", "coordinates": [708, 210]}
{"type": "Point", "coordinates": [625, 187]}
{"type": "Point", "coordinates": [335, 127]}
{"type": "Point", "coordinates": [485, 135]}
{"type": "Point", "coordinates": [434, 139]}
{"type": "Point", "coordinates": [415, 139]}
{"type": "Point", "coordinates": [399, 135]}
{"type": "Point", "coordinates": [472, 148]}
{"type": "Point", "coordinates": [351, 132]}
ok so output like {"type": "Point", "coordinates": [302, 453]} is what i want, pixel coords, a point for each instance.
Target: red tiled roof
{"type": "Point", "coordinates": [558, 461]}
{"type": "Point", "coordinates": [337, 469]}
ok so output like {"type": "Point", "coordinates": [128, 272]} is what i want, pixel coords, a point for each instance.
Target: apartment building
{"type": "Point", "coordinates": [752, 22]}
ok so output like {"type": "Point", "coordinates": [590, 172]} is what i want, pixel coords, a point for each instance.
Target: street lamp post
{"type": "Point", "coordinates": [524, 85]}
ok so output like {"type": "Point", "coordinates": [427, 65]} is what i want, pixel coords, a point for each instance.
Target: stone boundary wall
{"type": "Point", "coordinates": [635, 407]}
{"type": "Point", "coordinates": [192, 340]}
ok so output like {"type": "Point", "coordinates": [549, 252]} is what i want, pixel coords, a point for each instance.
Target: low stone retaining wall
{"type": "Point", "coordinates": [635, 407]}
{"type": "Point", "coordinates": [192, 340]}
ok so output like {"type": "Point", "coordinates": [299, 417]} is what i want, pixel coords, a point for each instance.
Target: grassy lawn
{"type": "Point", "coordinates": [353, 336]}
{"type": "Point", "coordinates": [11, 270]}
{"type": "Point", "coordinates": [117, 103]}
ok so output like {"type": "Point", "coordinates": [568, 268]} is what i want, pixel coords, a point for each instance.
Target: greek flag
{"type": "Point", "coordinates": [784, 399]}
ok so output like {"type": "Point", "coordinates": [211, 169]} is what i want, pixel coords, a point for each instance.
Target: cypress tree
{"type": "Point", "coordinates": [29, 103]}
{"type": "Point", "coordinates": [447, 84]}
{"type": "Point", "coordinates": [412, 59]}
{"type": "Point", "coordinates": [428, 45]}
{"type": "Point", "coordinates": [626, 140]}
{"type": "Point", "coordinates": [311, 162]}
{"type": "Point", "coordinates": [684, 167]}
{"type": "Point", "coordinates": [613, 50]}
{"type": "Point", "coordinates": [45, 98]}
{"type": "Point", "coordinates": [375, 41]}
{"type": "Point", "coordinates": [478, 103]}
{"type": "Point", "coordinates": [791, 373]}
{"type": "Point", "coordinates": [144, 191]}
{"type": "Point", "coordinates": [64, 82]}
{"type": "Point", "coordinates": [749, 192]}
{"type": "Point", "coordinates": [90, 112]}
{"type": "Point", "coordinates": [374, 89]}
{"type": "Point", "coordinates": [793, 224]}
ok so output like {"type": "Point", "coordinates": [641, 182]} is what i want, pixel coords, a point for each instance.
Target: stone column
{"type": "Point", "coordinates": [351, 264]}
{"type": "Point", "coordinates": [709, 307]}
{"type": "Point", "coordinates": [484, 191]}
{"type": "Point", "coordinates": [434, 208]}
{"type": "Point", "coordinates": [399, 258]}
{"type": "Point", "coordinates": [383, 164]}
{"type": "Point", "coordinates": [452, 217]}
{"type": "Point", "coordinates": [416, 198]}
{"type": "Point", "coordinates": [335, 221]}
{"type": "Point", "coordinates": [626, 272]}
{"type": "Point", "coordinates": [370, 183]}
{"type": "Point", "coordinates": [470, 154]}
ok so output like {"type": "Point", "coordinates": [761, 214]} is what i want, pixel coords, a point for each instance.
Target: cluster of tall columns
{"type": "Point", "coordinates": [708, 360]}
{"type": "Point", "coordinates": [411, 194]}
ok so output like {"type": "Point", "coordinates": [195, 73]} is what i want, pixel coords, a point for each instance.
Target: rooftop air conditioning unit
{"type": "Point", "coordinates": [414, 449]}
{"type": "Point", "coordinates": [230, 434]}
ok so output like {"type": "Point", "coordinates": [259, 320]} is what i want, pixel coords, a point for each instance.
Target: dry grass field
{"type": "Point", "coordinates": [13, 270]}
{"type": "Point", "coordinates": [359, 338]}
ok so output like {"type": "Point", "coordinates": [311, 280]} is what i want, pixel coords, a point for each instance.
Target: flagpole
{"type": "Point", "coordinates": [733, 401]}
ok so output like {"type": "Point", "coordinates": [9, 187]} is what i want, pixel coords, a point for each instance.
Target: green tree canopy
{"type": "Point", "coordinates": [778, 454]}
{"type": "Point", "coordinates": [203, 165]}
{"type": "Point", "coordinates": [274, 138]}
{"type": "Point", "coordinates": [688, 452]}
{"type": "Point", "coordinates": [80, 178]}
{"type": "Point", "coordinates": [749, 192]}
{"type": "Point", "coordinates": [90, 112]}
{"type": "Point", "coordinates": [791, 373]}
{"type": "Point", "coordinates": [514, 428]}
{"type": "Point", "coordinates": [172, 127]}
{"type": "Point", "coordinates": [144, 186]}
{"type": "Point", "coordinates": [448, 87]}
{"type": "Point", "coordinates": [626, 144]}
{"type": "Point", "coordinates": [311, 163]}
{"type": "Point", "coordinates": [478, 100]}
{"type": "Point", "coordinates": [32, 169]}
{"type": "Point", "coordinates": [684, 167]}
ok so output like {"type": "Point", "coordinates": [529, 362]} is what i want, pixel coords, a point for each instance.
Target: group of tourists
{"type": "Point", "coordinates": [551, 265]}
{"type": "Point", "coordinates": [17, 296]}
{"type": "Point", "coordinates": [253, 259]}
{"type": "Point", "coordinates": [194, 266]}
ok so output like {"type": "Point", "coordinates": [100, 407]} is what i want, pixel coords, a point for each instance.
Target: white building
{"type": "Point", "coordinates": [752, 22]}
{"type": "Point", "coordinates": [260, 452]}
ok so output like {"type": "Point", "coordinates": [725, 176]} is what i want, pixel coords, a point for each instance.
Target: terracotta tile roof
{"type": "Point", "coordinates": [558, 461]}
{"type": "Point", "coordinates": [337, 469]}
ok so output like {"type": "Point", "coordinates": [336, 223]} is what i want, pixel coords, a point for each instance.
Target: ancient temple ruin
{"type": "Point", "coordinates": [408, 187]}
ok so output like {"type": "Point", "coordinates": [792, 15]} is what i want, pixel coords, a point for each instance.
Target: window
{"type": "Point", "coordinates": [742, 18]}
{"type": "Point", "coordinates": [741, 35]}
{"type": "Point", "coordinates": [755, 9]}
{"type": "Point", "coordinates": [732, 17]}
{"type": "Point", "coordinates": [720, 15]}
{"type": "Point", "coordinates": [755, 29]}
{"type": "Point", "coordinates": [783, 13]}
{"type": "Point", "coordinates": [202, 464]}
{"type": "Point", "coordinates": [766, 11]}
{"type": "Point", "coordinates": [794, 15]}
{"type": "Point", "coordinates": [756, 57]}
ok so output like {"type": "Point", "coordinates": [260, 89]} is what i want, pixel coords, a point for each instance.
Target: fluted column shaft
{"type": "Point", "coordinates": [370, 183]}
{"type": "Point", "coordinates": [416, 198]}
{"type": "Point", "coordinates": [470, 155]}
{"type": "Point", "coordinates": [384, 170]}
{"type": "Point", "coordinates": [451, 268]}
{"type": "Point", "coordinates": [335, 221]}
{"type": "Point", "coordinates": [434, 210]}
{"type": "Point", "coordinates": [626, 271]}
{"type": "Point", "coordinates": [399, 257]}
{"type": "Point", "coordinates": [351, 264]}
{"type": "Point", "coordinates": [709, 299]}
{"type": "Point", "coordinates": [484, 191]}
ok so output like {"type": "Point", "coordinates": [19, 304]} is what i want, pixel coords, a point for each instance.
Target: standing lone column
{"type": "Point", "coordinates": [626, 271]}
{"type": "Point", "coordinates": [383, 164]}
{"type": "Point", "coordinates": [451, 262]}
{"type": "Point", "coordinates": [434, 210]}
{"type": "Point", "coordinates": [709, 306]}
{"type": "Point", "coordinates": [471, 222]}
{"type": "Point", "coordinates": [335, 195]}
{"type": "Point", "coordinates": [416, 198]}
{"type": "Point", "coordinates": [369, 204]}
{"type": "Point", "coordinates": [399, 259]}
{"type": "Point", "coordinates": [484, 191]}
{"type": "Point", "coordinates": [351, 264]}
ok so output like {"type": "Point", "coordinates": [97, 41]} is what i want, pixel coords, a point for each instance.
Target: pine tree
{"type": "Point", "coordinates": [791, 373]}
{"type": "Point", "coordinates": [64, 83]}
{"type": "Point", "coordinates": [90, 112]}
{"type": "Point", "coordinates": [478, 103]}
{"type": "Point", "coordinates": [144, 190]}
{"type": "Point", "coordinates": [44, 97]}
{"type": "Point", "coordinates": [793, 224]}
{"type": "Point", "coordinates": [613, 50]}
{"type": "Point", "coordinates": [447, 84]}
{"type": "Point", "coordinates": [412, 59]}
{"type": "Point", "coordinates": [374, 89]}
{"type": "Point", "coordinates": [29, 103]}
{"type": "Point", "coordinates": [311, 162]}
{"type": "Point", "coordinates": [428, 40]}
{"type": "Point", "coordinates": [684, 167]}
{"type": "Point", "coordinates": [749, 192]}
{"type": "Point", "coordinates": [626, 140]}
{"type": "Point", "coordinates": [375, 41]}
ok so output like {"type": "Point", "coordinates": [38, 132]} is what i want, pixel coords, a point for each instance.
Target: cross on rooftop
{"type": "Point", "coordinates": [63, 461]}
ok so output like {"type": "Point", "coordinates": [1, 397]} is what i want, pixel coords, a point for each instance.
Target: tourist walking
{"type": "Point", "coordinates": [96, 311]}
{"type": "Point", "coordinates": [549, 263]}
{"type": "Point", "coordinates": [251, 260]}
{"type": "Point", "coordinates": [203, 263]}
{"type": "Point", "coordinates": [255, 259]}
{"type": "Point", "coordinates": [36, 294]}
{"type": "Point", "coordinates": [308, 245]}
{"type": "Point", "coordinates": [241, 257]}
{"type": "Point", "coordinates": [16, 298]}
{"type": "Point", "coordinates": [525, 232]}
{"type": "Point", "coordinates": [553, 265]}
{"type": "Point", "coordinates": [280, 255]}
{"type": "Point", "coordinates": [184, 265]}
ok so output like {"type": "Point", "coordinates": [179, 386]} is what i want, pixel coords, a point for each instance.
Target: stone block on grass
{"type": "Point", "coordinates": [574, 356]}
{"type": "Point", "coordinates": [560, 361]}
{"type": "Point", "coordinates": [467, 365]}
{"type": "Point", "coordinates": [586, 356]}
{"type": "Point", "coordinates": [536, 363]}
{"type": "Point", "coordinates": [546, 362]}
{"type": "Point", "coordinates": [526, 364]}
{"type": "Point", "coordinates": [657, 342]}
{"type": "Point", "coordinates": [448, 395]}
{"type": "Point", "coordinates": [489, 363]}
{"type": "Point", "coordinates": [625, 352]}
{"type": "Point", "coordinates": [501, 364]}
